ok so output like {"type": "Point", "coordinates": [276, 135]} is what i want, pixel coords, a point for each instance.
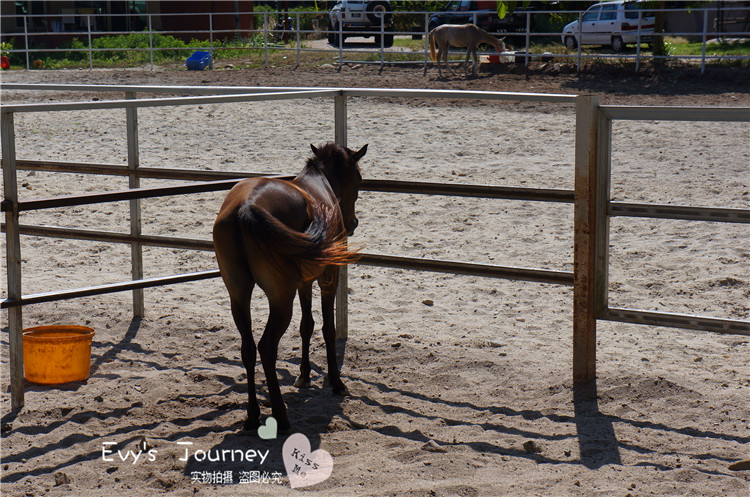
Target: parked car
{"type": "Point", "coordinates": [611, 23]}
{"type": "Point", "coordinates": [483, 14]}
{"type": "Point", "coordinates": [355, 18]}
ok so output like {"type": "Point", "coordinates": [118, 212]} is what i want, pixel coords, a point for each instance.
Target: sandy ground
{"type": "Point", "coordinates": [459, 385]}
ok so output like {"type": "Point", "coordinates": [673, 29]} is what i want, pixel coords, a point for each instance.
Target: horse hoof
{"type": "Point", "coordinates": [283, 427]}
{"type": "Point", "coordinates": [251, 424]}
{"type": "Point", "coordinates": [302, 382]}
{"type": "Point", "coordinates": [341, 390]}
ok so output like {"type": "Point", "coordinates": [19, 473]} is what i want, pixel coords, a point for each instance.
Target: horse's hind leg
{"type": "Point", "coordinates": [239, 282]}
{"type": "Point", "coordinates": [437, 59]}
{"type": "Point", "coordinates": [306, 328]}
{"type": "Point", "coordinates": [280, 314]}
{"type": "Point", "coordinates": [328, 283]}
{"type": "Point", "coordinates": [241, 315]}
{"type": "Point", "coordinates": [445, 52]}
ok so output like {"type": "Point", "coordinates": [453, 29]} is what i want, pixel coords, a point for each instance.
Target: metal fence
{"type": "Point", "coordinates": [590, 197]}
{"type": "Point", "coordinates": [528, 42]}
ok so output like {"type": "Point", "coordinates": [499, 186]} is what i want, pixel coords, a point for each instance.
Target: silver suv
{"type": "Point", "coordinates": [360, 18]}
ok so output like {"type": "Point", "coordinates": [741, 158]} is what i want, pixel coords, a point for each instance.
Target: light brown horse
{"type": "Point", "coordinates": [282, 236]}
{"type": "Point", "coordinates": [460, 35]}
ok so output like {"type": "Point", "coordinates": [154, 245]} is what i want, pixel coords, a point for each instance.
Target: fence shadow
{"type": "Point", "coordinates": [596, 434]}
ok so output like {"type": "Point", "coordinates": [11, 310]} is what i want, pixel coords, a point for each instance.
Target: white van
{"type": "Point", "coordinates": [611, 23]}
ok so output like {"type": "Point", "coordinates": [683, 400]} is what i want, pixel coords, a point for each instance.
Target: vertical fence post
{"type": "Point", "coordinates": [528, 40]}
{"type": "Point", "coordinates": [265, 37]}
{"type": "Point", "coordinates": [26, 41]}
{"type": "Point", "coordinates": [151, 41]}
{"type": "Point", "coordinates": [382, 41]}
{"type": "Point", "coordinates": [585, 223]}
{"type": "Point", "coordinates": [340, 43]}
{"type": "Point", "coordinates": [638, 41]}
{"type": "Point", "coordinates": [211, 38]}
{"type": "Point", "coordinates": [13, 258]}
{"type": "Point", "coordinates": [299, 41]}
{"type": "Point", "coordinates": [703, 41]}
{"type": "Point", "coordinates": [342, 297]}
{"type": "Point", "coordinates": [136, 248]}
{"type": "Point", "coordinates": [426, 41]}
{"type": "Point", "coordinates": [601, 215]}
{"type": "Point", "coordinates": [91, 43]}
{"type": "Point", "coordinates": [578, 42]}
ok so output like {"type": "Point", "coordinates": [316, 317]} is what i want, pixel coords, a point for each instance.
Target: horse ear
{"type": "Point", "coordinates": [359, 154]}
{"type": "Point", "coordinates": [314, 150]}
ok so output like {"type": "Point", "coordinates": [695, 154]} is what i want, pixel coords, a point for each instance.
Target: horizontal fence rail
{"type": "Point", "coordinates": [592, 151]}
{"type": "Point", "coordinates": [263, 33]}
{"type": "Point", "coordinates": [114, 237]}
{"type": "Point", "coordinates": [164, 102]}
{"type": "Point", "coordinates": [140, 172]}
{"type": "Point", "coordinates": [373, 185]}
{"type": "Point", "coordinates": [454, 267]}
{"type": "Point", "coordinates": [116, 196]}
{"type": "Point", "coordinates": [39, 298]}
{"type": "Point", "coordinates": [681, 212]}
{"type": "Point", "coordinates": [674, 320]}
{"type": "Point", "coordinates": [250, 94]}
{"type": "Point", "coordinates": [670, 113]}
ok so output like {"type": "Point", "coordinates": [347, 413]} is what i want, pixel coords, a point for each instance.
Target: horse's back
{"type": "Point", "coordinates": [279, 198]}
{"type": "Point", "coordinates": [456, 35]}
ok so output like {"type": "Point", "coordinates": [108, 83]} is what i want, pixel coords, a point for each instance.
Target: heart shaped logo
{"type": "Point", "coordinates": [268, 430]}
{"type": "Point", "coordinates": [303, 467]}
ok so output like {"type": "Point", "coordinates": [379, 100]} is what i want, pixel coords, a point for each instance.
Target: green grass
{"type": "Point", "coordinates": [413, 45]}
{"type": "Point", "coordinates": [681, 46]}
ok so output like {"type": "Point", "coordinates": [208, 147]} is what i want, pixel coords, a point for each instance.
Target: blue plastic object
{"type": "Point", "coordinates": [199, 61]}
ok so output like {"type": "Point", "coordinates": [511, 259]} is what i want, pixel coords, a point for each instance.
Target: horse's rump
{"type": "Point", "coordinates": [432, 45]}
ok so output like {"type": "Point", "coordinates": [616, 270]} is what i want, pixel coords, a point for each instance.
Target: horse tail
{"type": "Point", "coordinates": [322, 243]}
{"type": "Point", "coordinates": [432, 45]}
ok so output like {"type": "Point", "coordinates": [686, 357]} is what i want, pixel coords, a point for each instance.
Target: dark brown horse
{"type": "Point", "coordinates": [282, 236]}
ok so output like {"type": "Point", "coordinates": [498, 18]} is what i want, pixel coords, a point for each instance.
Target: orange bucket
{"type": "Point", "coordinates": [57, 354]}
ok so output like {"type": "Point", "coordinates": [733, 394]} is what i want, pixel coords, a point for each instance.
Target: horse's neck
{"type": "Point", "coordinates": [314, 181]}
{"type": "Point", "coordinates": [487, 38]}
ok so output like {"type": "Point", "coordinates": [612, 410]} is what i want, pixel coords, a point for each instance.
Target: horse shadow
{"type": "Point", "coordinates": [244, 457]}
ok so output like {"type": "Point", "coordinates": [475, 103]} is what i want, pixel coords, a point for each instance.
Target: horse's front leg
{"type": "Point", "coordinates": [280, 314]}
{"type": "Point", "coordinates": [306, 327]}
{"type": "Point", "coordinates": [328, 284]}
{"type": "Point", "coordinates": [476, 62]}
